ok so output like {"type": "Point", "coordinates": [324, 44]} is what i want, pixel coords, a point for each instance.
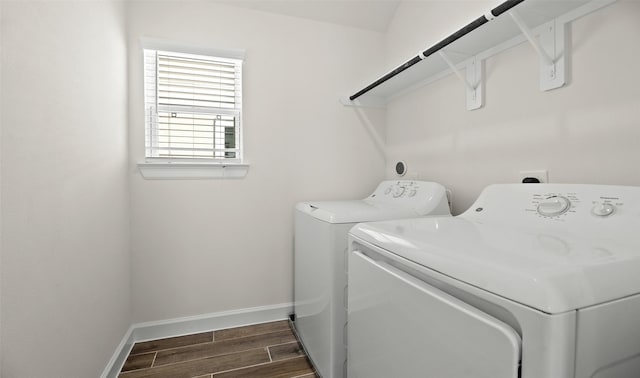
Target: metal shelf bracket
{"type": "Point", "coordinates": [551, 49]}
{"type": "Point", "coordinates": [473, 79]}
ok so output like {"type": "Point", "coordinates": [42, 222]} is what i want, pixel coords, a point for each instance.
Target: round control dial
{"type": "Point", "coordinates": [602, 209]}
{"type": "Point", "coordinates": [398, 191]}
{"type": "Point", "coordinates": [554, 205]}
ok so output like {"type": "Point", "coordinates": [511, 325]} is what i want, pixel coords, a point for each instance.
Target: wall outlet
{"type": "Point", "coordinates": [542, 175]}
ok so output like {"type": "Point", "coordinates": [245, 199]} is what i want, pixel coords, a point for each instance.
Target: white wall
{"type": "Point", "coordinates": [65, 258]}
{"type": "Point", "coordinates": [201, 246]}
{"type": "Point", "coordinates": [586, 132]}
{"type": "Point", "coordinates": [1, 49]}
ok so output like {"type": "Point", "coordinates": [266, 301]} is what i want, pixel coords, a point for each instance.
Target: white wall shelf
{"type": "Point", "coordinates": [543, 23]}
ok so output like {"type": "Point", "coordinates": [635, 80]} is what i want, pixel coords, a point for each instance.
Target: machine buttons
{"type": "Point", "coordinates": [401, 189]}
{"type": "Point", "coordinates": [398, 191]}
{"type": "Point", "coordinates": [553, 206]}
{"type": "Point", "coordinates": [603, 209]}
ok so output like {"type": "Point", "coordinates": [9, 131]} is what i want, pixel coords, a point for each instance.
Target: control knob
{"type": "Point", "coordinates": [603, 209]}
{"type": "Point", "coordinates": [554, 205]}
{"type": "Point", "coordinates": [398, 191]}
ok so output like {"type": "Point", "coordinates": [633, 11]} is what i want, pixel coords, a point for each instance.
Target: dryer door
{"type": "Point", "coordinates": [399, 326]}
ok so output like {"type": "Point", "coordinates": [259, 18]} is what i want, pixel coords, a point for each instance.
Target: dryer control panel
{"type": "Point", "coordinates": [423, 196]}
{"type": "Point", "coordinates": [397, 189]}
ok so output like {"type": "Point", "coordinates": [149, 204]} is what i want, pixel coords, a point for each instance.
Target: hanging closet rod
{"type": "Point", "coordinates": [497, 11]}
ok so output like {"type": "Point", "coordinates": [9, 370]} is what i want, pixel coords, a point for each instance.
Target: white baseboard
{"type": "Point", "coordinates": [192, 324]}
{"type": "Point", "coordinates": [119, 356]}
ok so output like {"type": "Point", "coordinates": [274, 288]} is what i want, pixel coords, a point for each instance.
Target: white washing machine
{"type": "Point", "coordinates": [321, 230]}
{"type": "Point", "coordinates": [533, 281]}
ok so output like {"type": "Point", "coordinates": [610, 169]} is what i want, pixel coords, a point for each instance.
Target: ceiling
{"type": "Point", "coordinates": [364, 14]}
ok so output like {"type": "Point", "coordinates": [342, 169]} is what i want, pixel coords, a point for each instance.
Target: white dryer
{"type": "Point", "coordinates": [533, 281]}
{"type": "Point", "coordinates": [320, 253]}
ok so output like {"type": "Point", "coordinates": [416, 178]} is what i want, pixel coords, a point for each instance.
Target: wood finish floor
{"type": "Point", "coordinates": [267, 350]}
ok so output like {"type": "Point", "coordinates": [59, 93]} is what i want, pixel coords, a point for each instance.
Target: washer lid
{"type": "Point", "coordinates": [354, 211]}
{"type": "Point", "coordinates": [553, 264]}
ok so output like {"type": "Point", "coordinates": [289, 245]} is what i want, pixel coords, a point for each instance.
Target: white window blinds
{"type": "Point", "coordinates": [193, 107]}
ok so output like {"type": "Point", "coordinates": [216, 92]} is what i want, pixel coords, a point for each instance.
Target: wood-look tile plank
{"type": "Point", "coordinates": [138, 361]}
{"type": "Point", "coordinates": [290, 368]}
{"type": "Point", "coordinates": [255, 329]}
{"type": "Point", "coordinates": [284, 351]}
{"type": "Point", "coordinates": [216, 348]}
{"type": "Point", "coordinates": [203, 366]}
{"type": "Point", "coordinates": [172, 342]}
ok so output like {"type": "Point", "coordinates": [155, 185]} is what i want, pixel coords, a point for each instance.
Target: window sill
{"type": "Point", "coordinates": [180, 171]}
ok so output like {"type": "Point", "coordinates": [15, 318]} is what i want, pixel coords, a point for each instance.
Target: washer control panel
{"type": "Point", "coordinates": [562, 204]}
{"type": "Point", "coordinates": [558, 202]}
{"type": "Point", "coordinates": [554, 204]}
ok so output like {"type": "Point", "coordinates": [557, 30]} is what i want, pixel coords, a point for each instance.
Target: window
{"type": "Point", "coordinates": [193, 108]}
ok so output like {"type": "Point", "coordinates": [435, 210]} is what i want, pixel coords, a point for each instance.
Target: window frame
{"type": "Point", "coordinates": [195, 168]}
